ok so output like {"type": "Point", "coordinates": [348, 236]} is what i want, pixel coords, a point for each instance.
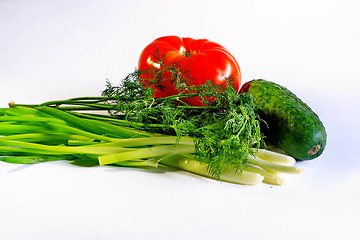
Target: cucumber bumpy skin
{"type": "Point", "coordinates": [291, 124]}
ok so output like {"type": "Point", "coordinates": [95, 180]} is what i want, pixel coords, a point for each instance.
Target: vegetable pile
{"type": "Point", "coordinates": [176, 111]}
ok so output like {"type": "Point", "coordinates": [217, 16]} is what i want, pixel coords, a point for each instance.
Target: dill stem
{"type": "Point", "coordinates": [147, 141]}
{"type": "Point", "coordinates": [70, 101]}
{"type": "Point", "coordinates": [133, 127]}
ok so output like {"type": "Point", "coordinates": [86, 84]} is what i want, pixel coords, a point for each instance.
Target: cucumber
{"type": "Point", "coordinates": [290, 124]}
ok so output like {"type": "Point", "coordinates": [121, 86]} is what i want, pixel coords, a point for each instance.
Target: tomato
{"type": "Point", "coordinates": [197, 61]}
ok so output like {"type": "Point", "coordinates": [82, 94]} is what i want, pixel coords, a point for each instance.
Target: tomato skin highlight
{"type": "Point", "coordinates": [198, 61]}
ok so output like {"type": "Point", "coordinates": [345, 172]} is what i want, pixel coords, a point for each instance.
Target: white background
{"type": "Point", "coordinates": [58, 49]}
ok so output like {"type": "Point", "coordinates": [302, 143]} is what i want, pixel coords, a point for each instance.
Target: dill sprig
{"type": "Point", "coordinates": [225, 129]}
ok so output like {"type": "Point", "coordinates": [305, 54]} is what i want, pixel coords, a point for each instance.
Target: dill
{"type": "Point", "coordinates": [225, 129]}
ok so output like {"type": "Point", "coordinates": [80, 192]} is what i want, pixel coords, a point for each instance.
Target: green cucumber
{"type": "Point", "coordinates": [290, 124]}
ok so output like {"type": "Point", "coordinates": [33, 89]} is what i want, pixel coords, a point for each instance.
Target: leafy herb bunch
{"type": "Point", "coordinates": [225, 128]}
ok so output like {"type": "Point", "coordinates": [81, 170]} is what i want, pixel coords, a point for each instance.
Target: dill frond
{"type": "Point", "coordinates": [224, 129]}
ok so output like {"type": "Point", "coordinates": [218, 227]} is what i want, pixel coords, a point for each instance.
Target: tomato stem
{"type": "Point", "coordinates": [188, 53]}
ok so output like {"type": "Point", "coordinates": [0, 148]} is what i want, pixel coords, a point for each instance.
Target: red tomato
{"type": "Point", "coordinates": [197, 60]}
